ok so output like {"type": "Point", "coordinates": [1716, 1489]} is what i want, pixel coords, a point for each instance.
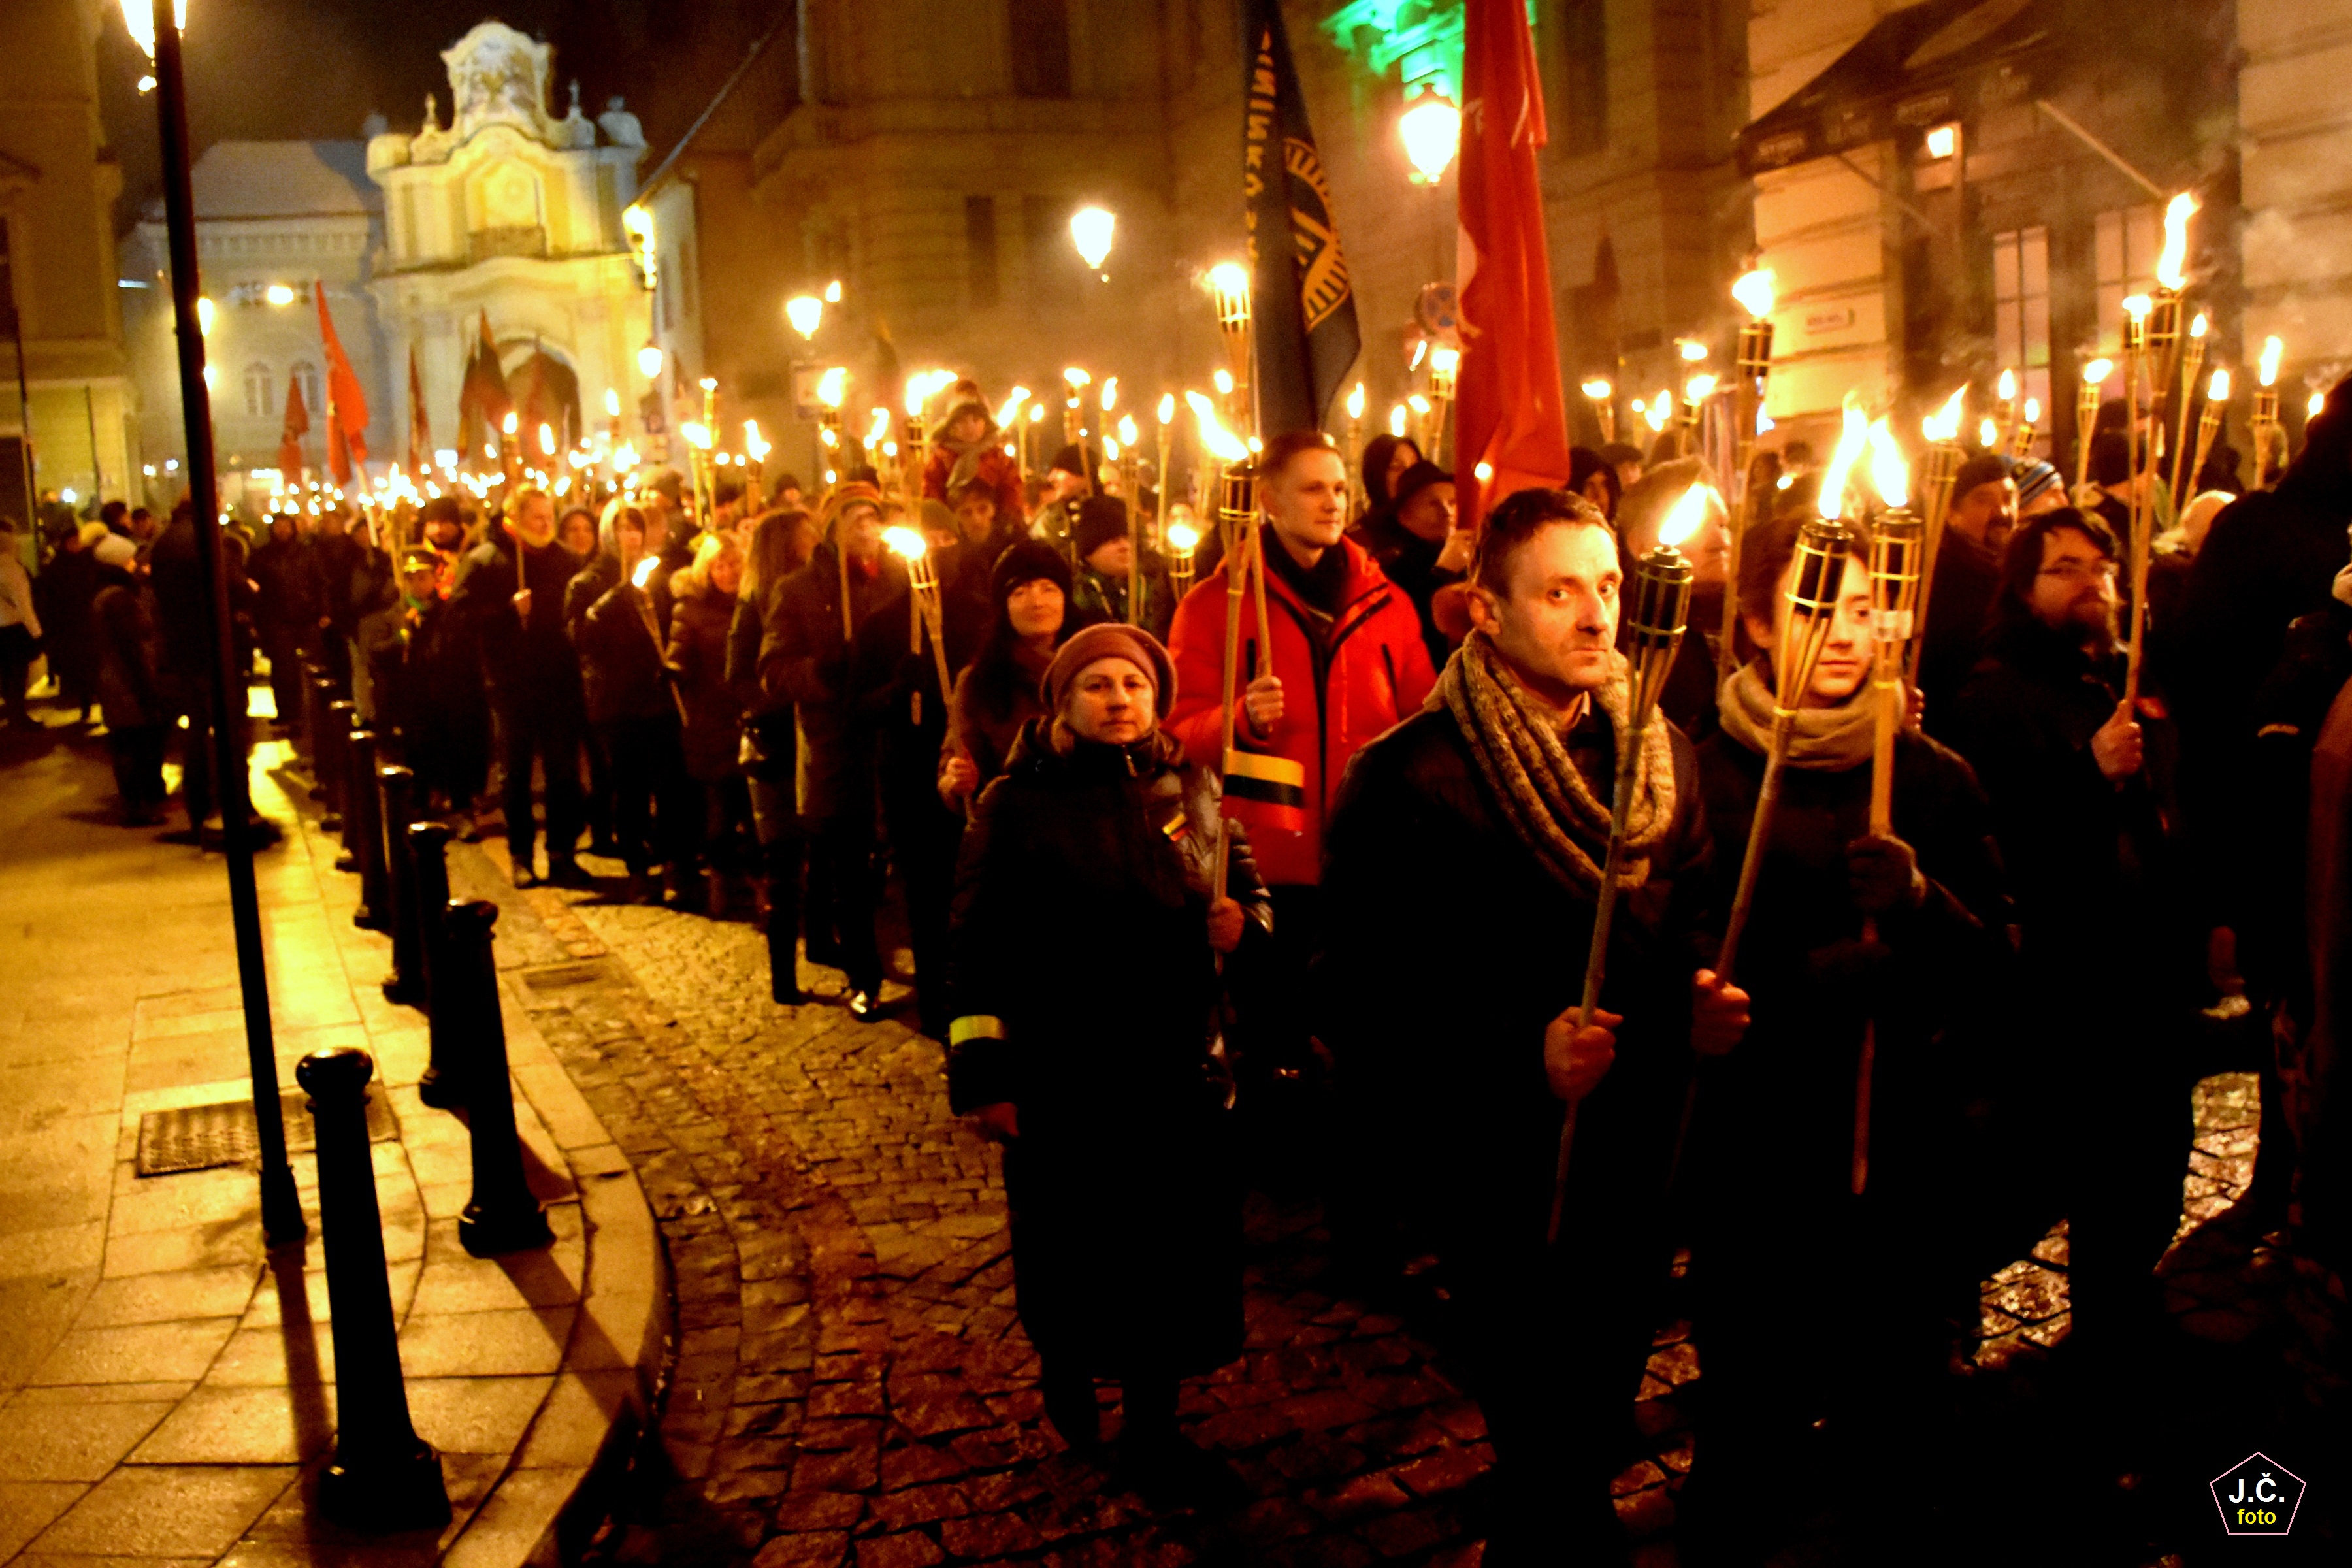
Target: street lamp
{"type": "Point", "coordinates": [281, 1207]}
{"type": "Point", "coordinates": [649, 361]}
{"type": "Point", "coordinates": [805, 311]}
{"type": "Point", "coordinates": [1432, 128]}
{"type": "Point", "coordinates": [1090, 231]}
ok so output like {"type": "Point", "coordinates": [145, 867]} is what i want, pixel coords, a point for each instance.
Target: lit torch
{"type": "Point", "coordinates": [2192, 363]}
{"type": "Point", "coordinates": [1229, 289]}
{"type": "Point", "coordinates": [1938, 468]}
{"type": "Point", "coordinates": [2020, 441]}
{"type": "Point", "coordinates": [1601, 395]}
{"type": "Point", "coordinates": [2086, 415]}
{"type": "Point", "coordinates": [1355, 452]}
{"type": "Point", "coordinates": [1237, 520]}
{"type": "Point", "coordinates": [1754, 292]}
{"type": "Point", "coordinates": [923, 613]}
{"type": "Point", "coordinates": [1444, 370]}
{"type": "Point", "coordinates": [1656, 612]}
{"type": "Point", "coordinates": [1813, 598]}
{"type": "Point", "coordinates": [2266, 411]}
{"type": "Point", "coordinates": [2209, 425]}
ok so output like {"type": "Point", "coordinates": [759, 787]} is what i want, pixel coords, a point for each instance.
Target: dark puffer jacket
{"type": "Point", "coordinates": [612, 626]}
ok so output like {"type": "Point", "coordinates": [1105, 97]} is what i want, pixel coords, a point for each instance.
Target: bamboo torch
{"type": "Point", "coordinates": [1656, 612]}
{"type": "Point", "coordinates": [2140, 349]}
{"type": "Point", "coordinates": [1754, 291]}
{"type": "Point", "coordinates": [1131, 481]}
{"type": "Point", "coordinates": [2192, 363]}
{"type": "Point", "coordinates": [1075, 383]}
{"type": "Point", "coordinates": [2086, 415]}
{"type": "Point", "coordinates": [2022, 435]}
{"type": "Point", "coordinates": [1355, 452]}
{"type": "Point", "coordinates": [2209, 425]}
{"type": "Point", "coordinates": [832, 389]}
{"type": "Point", "coordinates": [2004, 407]}
{"type": "Point", "coordinates": [2266, 411]}
{"type": "Point", "coordinates": [1695, 392]}
{"type": "Point", "coordinates": [1182, 540]}
{"type": "Point", "coordinates": [1444, 373]}
{"type": "Point", "coordinates": [1813, 595]}
{"type": "Point", "coordinates": [1237, 520]}
{"type": "Point", "coordinates": [1938, 467]}
{"type": "Point", "coordinates": [1229, 290]}
{"type": "Point", "coordinates": [923, 594]}
{"type": "Point", "coordinates": [1898, 548]}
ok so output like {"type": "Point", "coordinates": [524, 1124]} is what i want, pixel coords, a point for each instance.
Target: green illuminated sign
{"type": "Point", "coordinates": [1422, 38]}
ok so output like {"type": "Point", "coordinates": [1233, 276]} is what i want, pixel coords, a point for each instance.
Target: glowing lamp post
{"type": "Point", "coordinates": [1431, 128]}
{"type": "Point", "coordinates": [806, 312]}
{"type": "Point", "coordinates": [1090, 231]}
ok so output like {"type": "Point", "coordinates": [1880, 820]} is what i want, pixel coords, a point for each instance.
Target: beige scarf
{"type": "Point", "coordinates": [1828, 739]}
{"type": "Point", "coordinates": [1546, 799]}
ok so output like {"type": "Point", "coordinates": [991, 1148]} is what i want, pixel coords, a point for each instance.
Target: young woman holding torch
{"type": "Point", "coordinates": [1872, 925]}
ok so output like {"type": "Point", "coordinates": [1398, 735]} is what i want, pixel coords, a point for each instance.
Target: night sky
{"type": "Point", "coordinates": [314, 70]}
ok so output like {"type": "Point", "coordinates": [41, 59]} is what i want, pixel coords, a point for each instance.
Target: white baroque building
{"type": "Point", "coordinates": [514, 211]}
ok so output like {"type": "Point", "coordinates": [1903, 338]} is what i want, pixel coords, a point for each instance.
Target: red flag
{"type": "Point", "coordinates": [1509, 411]}
{"type": "Point", "coordinates": [420, 429]}
{"type": "Point", "coordinates": [482, 402]}
{"type": "Point", "coordinates": [347, 409]}
{"type": "Point", "coordinates": [289, 442]}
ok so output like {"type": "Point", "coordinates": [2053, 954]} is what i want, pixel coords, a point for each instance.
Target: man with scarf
{"type": "Point", "coordinates": [1900, 940]}
{"type": "Point", "coordinates": [1463, 863]}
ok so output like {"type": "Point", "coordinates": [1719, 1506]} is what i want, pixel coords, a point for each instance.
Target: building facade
{"type": "Point", "coordinates": [60, 318]}
{"type": "Point", "coordinates": [277, 223]}
{"type": "Point", "coordinates": [513, 214]}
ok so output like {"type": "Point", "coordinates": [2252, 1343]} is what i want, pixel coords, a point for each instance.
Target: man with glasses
{"type": "Point", "coordinates": [2104, 954]}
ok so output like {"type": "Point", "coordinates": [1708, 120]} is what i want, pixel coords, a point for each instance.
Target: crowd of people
{"type": "Point", "coordinates": [1366, 952]}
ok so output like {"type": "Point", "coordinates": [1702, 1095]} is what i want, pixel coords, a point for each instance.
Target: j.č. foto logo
{"type": "Point", "coordinates": [2257, 1496]}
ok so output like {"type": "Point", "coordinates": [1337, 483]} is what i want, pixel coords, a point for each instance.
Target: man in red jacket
{"type": "Point", "coordinates": [1348, 663]}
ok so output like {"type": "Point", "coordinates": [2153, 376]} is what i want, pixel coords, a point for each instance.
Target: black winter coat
{"type": "Point", "coordinates": [1776, 1124]}
{"type": "Point", "coordinates": [124, 617]}
{"type": "Point", "coordinates": [1449, 950]}
{"type": "Point", "coordinates": [769, 745]}
{"type": "Point", "coordinates": [804, 656]}
{"type": "Point", "coordinates": [286, 572]}
{"type": "Point", "coordinates": [700, 621]}
{"type": "Point", "coordinates": [621, 669]}
{"type": "Point", "coordinates": [524, 662]}
{"type": "Point", "coordinates": [1125, 1206]}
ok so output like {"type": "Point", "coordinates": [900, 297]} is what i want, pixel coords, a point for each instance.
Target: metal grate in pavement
{"type": "Point", "coordinates": [558, 976]}
{"type": "Point", "coordinates": [202, 1137]}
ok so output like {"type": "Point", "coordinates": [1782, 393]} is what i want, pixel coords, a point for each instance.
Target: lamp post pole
{"type": "Point", "coordinates": [281, 1209]}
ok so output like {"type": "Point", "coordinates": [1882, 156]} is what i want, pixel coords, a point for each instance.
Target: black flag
{"type": "Point", "coordinates": [1304, 310]}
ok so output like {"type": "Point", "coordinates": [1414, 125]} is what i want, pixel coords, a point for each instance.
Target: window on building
{"type": "Point", "coordinates": [980, 250]}
{"type": "Point", "coordinates": [1045, 244]}
{"type": "Point", "coordinates": [1039, 35]}
{"type": "Point", "coordinates": [1584, 75]}
{"type": "Point", "coordinates": [2021, 309]}
{"type": "Point", "coordinates": [2124, 245]}
{"type": "Point", "coordinates": [306, 374]}
{"type": "Point", "coordinates": [260, 391]}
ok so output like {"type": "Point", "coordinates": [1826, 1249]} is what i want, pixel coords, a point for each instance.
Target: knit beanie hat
{"type": "Point", "coordinates": [1070, 460]}
{"type": "Point", "coordinates": [115, 551]}
{"type": "Point", "coordinates": [845, 495]}
{"type": "Point", "coordinates": [1101, 518]}
{"type": "Point", "coordinates": [964, 397]}
{"type": "Point", "coordinates": [1111, 639]}
{"type": "Point", "coordinates": [1027, 561]}
{"type": "Point", "coordinates": [1417, 479]}
{"type": "Point", "coordinates": [2035, 477]}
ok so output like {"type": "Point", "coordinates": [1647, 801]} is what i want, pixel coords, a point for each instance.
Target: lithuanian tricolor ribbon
{"type": "Point", "coordinates": [1275, 787]}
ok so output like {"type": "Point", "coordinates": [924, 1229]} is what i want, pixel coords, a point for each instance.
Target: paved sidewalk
{"type": "Point", "coordinates": [166, 1389]}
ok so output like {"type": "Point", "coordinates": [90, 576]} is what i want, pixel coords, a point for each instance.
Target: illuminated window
{"type": "Point", "coordinates": [260, 391]}
{"type": "Point", "coordinates": [2021, 309]}
{"type": "Point", "coordinates": [2124, 245]}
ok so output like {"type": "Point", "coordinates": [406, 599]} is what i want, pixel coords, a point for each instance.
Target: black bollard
{"type": "Point", "coordinates": [502, 1215]}
{"type": "Point", "coordinates": [443, 1087]}
{"type": "Point", "coordinates": [314, 720]}
{"type": "Point", "coordinates": [335, 760]}
{"type": "Point", "coordinates": [383, 1476]}
{"type": "Point", "coordinates": [363, 816]}
{"type": "Point", "coordinates": [396, 788]}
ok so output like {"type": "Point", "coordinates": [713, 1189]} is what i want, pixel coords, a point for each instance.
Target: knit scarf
{"type": "Point", "coordinates": [1542, 792]}
{"type": "Point", "coordinates": [967, 460]}
{"type": "Point", "coordinates": [1828, 739]}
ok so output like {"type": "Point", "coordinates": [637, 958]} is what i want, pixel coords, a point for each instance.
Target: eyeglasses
{"type": "Point", "coordinates": [2081, 571]}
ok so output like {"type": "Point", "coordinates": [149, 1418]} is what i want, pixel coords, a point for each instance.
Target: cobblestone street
{"type": "Point", "coordinates": [850, 1382]}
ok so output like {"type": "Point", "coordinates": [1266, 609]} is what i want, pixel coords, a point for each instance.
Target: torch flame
{"type": "Point", "coordinates": [1417, 403]}
{"type": "Point", "coordinates": [1597, 390]}
{"type": "Point", "coordinates": [1218, 441]}
{"type": "Point", "coordinates": [2318, 403]}
{"type": "Point", "coordinates": [1987, 434]}
{"type": "Point", "coordinates": [2272, 349]}
{"type": "Point", "coordinates": [1183, 537]}
{"type": "Point", "coordinates": [2033, 412]}
{"type": "Point", "coordinates": [1110, 394]}
{"type": "Point", "coordinates": [754, 443]}
{"type": "Point", "coordinates": [1660, 408]}
{"type": "Point", "coordinates": [2007, 389]}
{"type": "Point", "coordinates": [2137, 306]}
{"type": "Point", "coordinates": [1692, 351]}
{"type": "Point", "coordinates": [1851, 442]}
{"type": "Point", "coordinates": [645, 571]}
{"type": "Point", "coordinates": [1167, 410]}
{"type": "Point", "coordinates": [1222, 381]}
{"type": "Point", "coordinates": [1011, 409]}
{"type": "Point", "coordinates": [1699, 388]}
{"type": "Point", "coordinates": [1355, 405]}
{"type": "Point", "coordinates": [547, 440]}
{"type": "Point", "coordinates": [1445, 360]}
{"type": "Point", "coordinates": [2169, 266]}
{"type": "Point", "coordinates": [2095, 373]}
{"type": "Point", "coordinates": [880, 429]}
{"type": "Point", "coordinates": [1110, 448]}
{"type": "Point", "coordinates": [1396, 421]}
{"type": "Point", "coordinates": [1127, 430]}
{"type": "Point", "coordinates": [1888, 470]}
{"type": "Point", "coordinates": [905, 543]}
{"type": "Point", "coordinates": [833, 387]}
{"type": "Point", "coordinates": [2197, 325]}
{"type": "Point", "coordinates": [696, 434]}
{"type": "Point", "coordinates": [1230, 281]}
{"type": "Point", "coordinates": [2218, 389]}
{"type": "Point", "coordinates": [1754, 292]}
{"type": "Point", "coordinates": [1688, 513]}
{"type": "Point", "coordinates": [509, 424]}
{"type": "Point", "coordinates": [1944, 425]}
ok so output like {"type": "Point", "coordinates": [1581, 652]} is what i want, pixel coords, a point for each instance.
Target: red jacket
{"type": "Point", "coordinates": [1377, 673]}
{"type": "Point", "coordinates": [996, 469]}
